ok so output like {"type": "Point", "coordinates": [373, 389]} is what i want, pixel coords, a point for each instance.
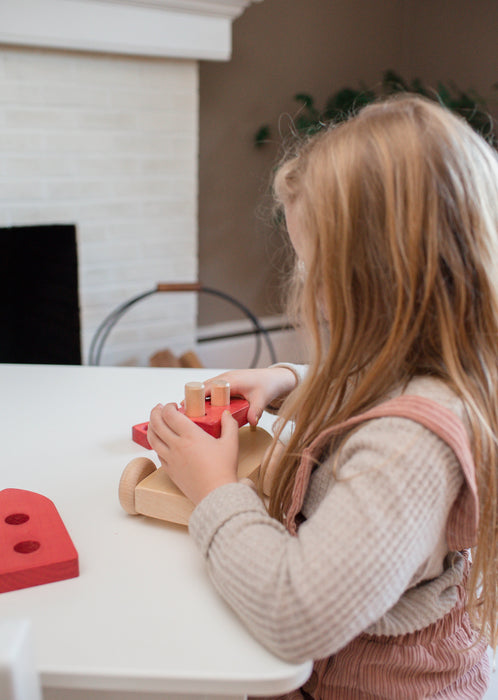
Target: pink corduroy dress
{"type": "Point", "coordinates": [443, 660]}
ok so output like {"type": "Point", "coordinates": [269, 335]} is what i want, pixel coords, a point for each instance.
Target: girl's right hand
{"type": "Point", "coordinates": [258, 386]}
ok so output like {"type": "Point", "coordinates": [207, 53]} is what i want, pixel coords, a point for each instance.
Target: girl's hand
{"type": "Point", "coordinates": [259, 386]}
{"type": "Point", "coordinates": [197, 462]}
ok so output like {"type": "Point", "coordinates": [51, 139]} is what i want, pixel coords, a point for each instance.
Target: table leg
{"type": "Point", "coordinates": [18, 677]}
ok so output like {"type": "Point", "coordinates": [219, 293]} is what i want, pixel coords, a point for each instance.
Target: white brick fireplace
{"type": "Point", "coordinates": [99, 128]}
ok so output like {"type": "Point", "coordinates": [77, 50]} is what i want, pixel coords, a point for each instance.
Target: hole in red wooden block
{"type": "Point", "coordinates": [27, 546]}
{"type": "Point", "coordinates": [17, 519]}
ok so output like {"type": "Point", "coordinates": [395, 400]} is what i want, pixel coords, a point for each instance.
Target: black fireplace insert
{"type": "Point", "coordinates": [39, 302]}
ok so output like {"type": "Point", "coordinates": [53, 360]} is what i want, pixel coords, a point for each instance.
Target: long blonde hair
{"type": "Point", "coordinates": [398, 210]}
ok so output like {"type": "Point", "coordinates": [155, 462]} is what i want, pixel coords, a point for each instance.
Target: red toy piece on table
{"type": "Point", "coordinates": [139, 434]}
{"type": "Point", "coordinates": [206, 413]}
{"type": "Point", "coordinates": [35, 546]}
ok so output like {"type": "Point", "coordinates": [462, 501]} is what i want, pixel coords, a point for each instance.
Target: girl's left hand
{"type": "Point", "coordinates": [197, 462]}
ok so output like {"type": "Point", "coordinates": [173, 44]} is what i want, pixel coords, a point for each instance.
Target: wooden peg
{"type": "Point", "coordinates": [195, 399]}
{"type": "Point", "coordinates": [220, 393]}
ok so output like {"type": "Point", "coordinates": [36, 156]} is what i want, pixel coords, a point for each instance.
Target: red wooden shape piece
{"type": "Point", "coordinates": [139, 434]}
{"type": "Point", "coordinates": [35, 546]}
{"type": "Point", "coordinates": [211, 422]}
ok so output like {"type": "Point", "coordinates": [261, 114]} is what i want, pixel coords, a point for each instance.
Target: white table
{"type": "Point", "coordinates": [142, 620]}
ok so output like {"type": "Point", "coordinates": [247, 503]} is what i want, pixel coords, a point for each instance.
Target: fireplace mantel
{"type": "Point", "coordinates": [192, 29]}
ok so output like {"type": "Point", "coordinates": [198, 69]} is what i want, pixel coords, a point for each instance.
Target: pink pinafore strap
{"type": "Point", "coordinates": [461, 529]}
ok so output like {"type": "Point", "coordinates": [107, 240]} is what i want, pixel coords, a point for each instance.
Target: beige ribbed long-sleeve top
{"type": "Point", "coordinates": [371, 555]}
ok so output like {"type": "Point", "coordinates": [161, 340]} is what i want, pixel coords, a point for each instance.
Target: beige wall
{"type": "Point", "coordinates": [454, 40]}
{"type": "Point", "coordinates": [281, 47]}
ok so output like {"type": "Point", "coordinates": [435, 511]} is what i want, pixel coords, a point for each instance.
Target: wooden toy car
{"type": "Point", "coordinates": [148, 490]}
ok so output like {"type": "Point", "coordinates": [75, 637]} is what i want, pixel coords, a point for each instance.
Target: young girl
{"type": "Point", "coordinates": [361, 559]}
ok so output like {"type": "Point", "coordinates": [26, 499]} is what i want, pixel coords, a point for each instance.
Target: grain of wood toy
{"type": "Point", "coordinates": [148, 490]}
{"type": "Point", "coordinates": [35, 547]}
{"type": "Point", "coordinates": [206, 413]}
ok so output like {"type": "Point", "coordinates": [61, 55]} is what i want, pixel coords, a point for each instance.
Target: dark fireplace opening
{"type": "Point", "coordinates": [39, 302]}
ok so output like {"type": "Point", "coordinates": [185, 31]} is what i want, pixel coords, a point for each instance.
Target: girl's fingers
{"type": "Point", "coordinates": [159, 426]}
{"type": "Point", "coordinates": [156, 443]}
{"type": "Point", "coordinates": [229, 426]}
{"type": "Point", "coordinates": [253, 416]}
{"type": "Point", "coordinates": [177, 423]}
{"type": "Point", "coordinates": [208, 383]}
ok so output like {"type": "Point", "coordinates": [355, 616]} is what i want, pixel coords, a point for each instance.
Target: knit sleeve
{"type": "Point", "coordinates": [367, 534]}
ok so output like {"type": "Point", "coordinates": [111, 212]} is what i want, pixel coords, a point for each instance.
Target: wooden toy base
{"type": "Point", "coordinates": [149, 491]}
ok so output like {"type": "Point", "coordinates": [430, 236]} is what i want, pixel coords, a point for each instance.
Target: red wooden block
{"type": "Point", "coordinates": [211, 422]}
{"type": "Point", "coordinates": [139, 434]}
{"type": "Point", "coordinates": [35, 546]}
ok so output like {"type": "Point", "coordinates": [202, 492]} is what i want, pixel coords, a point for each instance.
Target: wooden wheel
{"type": "Point", "coordinates": [134, 472]}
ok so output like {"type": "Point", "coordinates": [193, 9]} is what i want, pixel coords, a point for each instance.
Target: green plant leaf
{"type": "Point", "coordinates": [306, 99]}
{"type": "Point", "coordinates": [262, 135]}
{"type": "Point", "coordinates": [347, 101]}
{"type": "Point", "coordinates": [393, 82]}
